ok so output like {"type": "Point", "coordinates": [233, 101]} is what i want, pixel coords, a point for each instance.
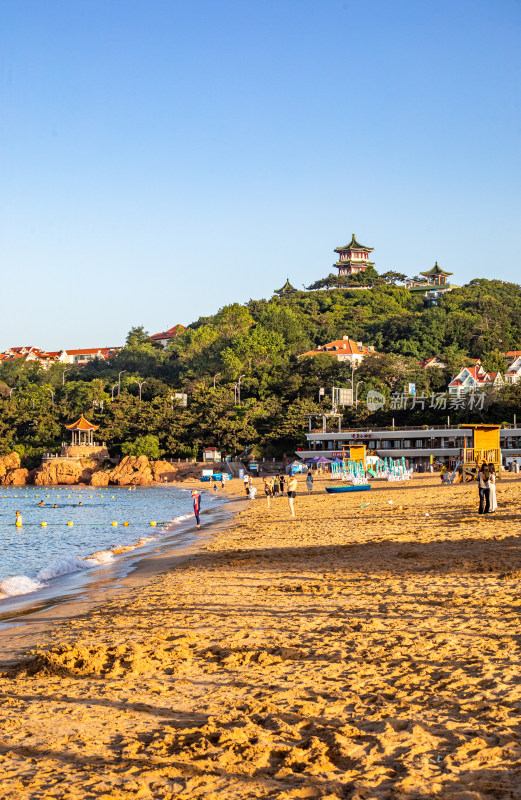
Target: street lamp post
{"type": "Point", "coordinates": [172, 402]}
{"type": "Point", "coordinates": [239, 389]}
{"type": "Point", "coordinates": [52, 394]}
{"type": "Point", "coordinates": [140, 384]}
{"type": "Point", "coordinates": [112, 393]}
{"type": "Point", "coordinates": [360, 383]}
{"type": "Point", "coordinates": [214, 377]}
{"type": "Point", "coordinates": [119, 380]}
{"type": "Point", "coordinates": [63, 375]}
{"type": "Point", "coordinates": [12, 390]}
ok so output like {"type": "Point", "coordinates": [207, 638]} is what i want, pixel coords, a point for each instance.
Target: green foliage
{"type": "Point", "coordinates": [262, 342]}
{"type": "Point", "coordinates": [143, 446]}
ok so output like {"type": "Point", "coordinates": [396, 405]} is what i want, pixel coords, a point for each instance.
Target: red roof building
{"type": "Point", "coordinates": [165, 337]}
{"type": "Point", "coordinates": [344, 349]}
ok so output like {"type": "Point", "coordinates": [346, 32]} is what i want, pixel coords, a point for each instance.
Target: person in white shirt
{"type": "Point", "coordinates": [492, 483]}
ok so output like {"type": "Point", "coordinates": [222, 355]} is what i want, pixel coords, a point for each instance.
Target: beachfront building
{"type": "Point", "coordinates": [353, 258]}
{"type": "Point", "coordinates": [432, 285]}
{"type": "Point", "coordinates": [211, 454]}
{"type": "Point", "coordinates": [344, 349]}
{"type": "Point", "coordinates": [511, 356]}
{"type": "Point", "coordinates": [473, 379]}
{"type": "Point", "coordinates": [416, 444]}
{"type": "Point", "coordinates": [165, 337]}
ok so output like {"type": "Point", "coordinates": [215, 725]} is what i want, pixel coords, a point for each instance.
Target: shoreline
{"type": "Point", "coordinates": [20, 631]}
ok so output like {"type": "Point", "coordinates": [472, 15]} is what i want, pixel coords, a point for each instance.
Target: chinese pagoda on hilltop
{"type": "Point", "coordinates": [433, 285]}
{"type": "Point", "coordinates": [354, 258]}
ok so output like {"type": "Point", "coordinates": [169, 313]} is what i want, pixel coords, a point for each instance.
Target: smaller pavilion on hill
{"type": "Point", "coordinates": [353, 258]}
{"type": "Point", "coordinates": [286, 289]}
{"type": "Point", "coordinates": [434, 285]}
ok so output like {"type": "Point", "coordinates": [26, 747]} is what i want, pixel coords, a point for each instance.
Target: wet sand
{"type": "Point", "coordinates": [354, 652]}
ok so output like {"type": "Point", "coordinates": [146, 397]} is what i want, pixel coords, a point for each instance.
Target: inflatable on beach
{"type": "Point", "coordinates": [363, 487]}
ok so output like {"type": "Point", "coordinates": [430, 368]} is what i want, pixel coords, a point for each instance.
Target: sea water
{"type": "Point", "coordinates": [33, 557]}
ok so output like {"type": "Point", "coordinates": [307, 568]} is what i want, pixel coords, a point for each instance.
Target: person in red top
{"type": "Point", "coordinates": [196, 497]}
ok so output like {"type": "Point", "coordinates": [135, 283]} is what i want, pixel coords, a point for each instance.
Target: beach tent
{"type": "Point", "coordinates": [296, 466]}
{"type": "Point", "coordinates": [323, 460]}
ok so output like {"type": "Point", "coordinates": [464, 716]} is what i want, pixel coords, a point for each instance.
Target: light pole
{"type": "Point", "coordinates": [112, 393]}
{"type": "Point", "coordinates": [119, 380]}
{"type": "Point", "coordinates": [360, 383]}
{"type": "Point", "coordinates": [239, 389]}
{"type": "Point", "coordinates": [63, 375]}
{"type": "Point", "coordinates": [140, 384]}
{"type": "Point", "coordinates": [12, 390]}
{"type": "Point", "coordinates": [172, 402]}
{"type": "Point", "coordinates": [52, 394]}
{"type": "Point", "coordinates": [214, 377]}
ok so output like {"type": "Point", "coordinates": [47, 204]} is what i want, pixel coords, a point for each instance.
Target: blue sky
{"type": "Point", "coordinates": [160, 159]}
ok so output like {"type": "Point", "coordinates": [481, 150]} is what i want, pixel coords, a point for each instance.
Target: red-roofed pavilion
{"type": "Point", "coordinates": [82, 431]}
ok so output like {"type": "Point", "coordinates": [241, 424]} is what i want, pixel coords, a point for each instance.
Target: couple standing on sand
{"type": "Point", "coordinates": [487, 489]}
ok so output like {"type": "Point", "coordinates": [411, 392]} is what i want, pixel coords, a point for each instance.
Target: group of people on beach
{"type": "Point", "coordinates": [487, 489]}
{"type": "Point", "coordinates": [274, 487]}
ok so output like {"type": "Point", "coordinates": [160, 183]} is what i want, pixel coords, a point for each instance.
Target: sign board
{"type": "Point", "coordinates": [412, 388]}
{"type": "Point", "coordinates": [342, 397]}
{"type": "Point", "coordinates": [207, 472]}
{"type": "Point", "coordinates": [182, 397]}
{"type": "Point", "coordinates": [368, 435]}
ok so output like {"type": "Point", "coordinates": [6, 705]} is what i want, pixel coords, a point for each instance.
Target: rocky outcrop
{"type": "Point", "coordinates": [58, 471]}
{"type": "Point", "coordinates": [16, 477]}
{"type": "Point", "coordinates": [133, 471]}
{"type": "Point", "coordinates": [163, 472]}
{"type": "Point", "coordinates": [99, 478]}
{"type": "Point", "coordinates": [8, 463]}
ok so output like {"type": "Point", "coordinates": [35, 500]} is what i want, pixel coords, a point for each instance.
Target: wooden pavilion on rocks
{"type": "Point", "coordinates": [82, 442]}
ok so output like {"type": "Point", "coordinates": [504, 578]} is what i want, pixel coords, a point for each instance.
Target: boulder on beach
{"type": "Point", "coordinates": [99, 478]}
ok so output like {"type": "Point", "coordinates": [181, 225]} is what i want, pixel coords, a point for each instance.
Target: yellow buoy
{"type": "Point", "coordinates": [125, 524]}
{"type": "Point", "coordinates": [114, 524]}
{"type": "Point", "coordinates": [70, 523]}
{"type": "Point", "coordinates": [68, 495]}
{"type": "Point", "coordinates": [90, 495]}
{"type": "Point", "coordinates": [112, 497]}
{"type": "Point", "coordinates": [153, 524]}
{"type": "Point", "coordinates": [36, 495]}
{"type": "Point", "coordinates": [43, 524]}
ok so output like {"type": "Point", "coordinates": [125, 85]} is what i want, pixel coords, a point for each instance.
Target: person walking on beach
{"type": "Point", "coordinates": [196, 497]}
{"type": "Point", "coordinates": [492, 482]}
{"type": "Point", "coordinates": [276, 486]}
{"type": "Point", "coordinates": [281, 483]}
{"type": "Point", "coordinates": [267, 490]}
{"type": "Point", "coordinates": [292, 493]}
{"type": "Point", "coordinates": [484, 489]}
{"type": "Point", "coordinates": [246, 482]}
{"type": "Point", "coordinates": [252, 492]}
{"type": "Point", "coordinates": [309, 481]}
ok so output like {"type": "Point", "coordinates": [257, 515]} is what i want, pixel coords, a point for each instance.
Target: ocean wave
{"type": "Point", "coordinates": [19, 584]}
{"type": "Point", "coordinates": [63, 567]}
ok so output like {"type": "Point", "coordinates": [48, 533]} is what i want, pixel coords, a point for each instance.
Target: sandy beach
{"type": "Point", "coordinates": [354, 652]}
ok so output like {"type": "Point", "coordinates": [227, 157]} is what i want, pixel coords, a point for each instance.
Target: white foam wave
{"type": "Point", "coordinates": [101, 557]}
{"type": "Point", "coordinates": [19, 584]}
{"type": "Point", "coordinates": [181, 518]}
{"type": "Point", "coordinates": [63, 567]}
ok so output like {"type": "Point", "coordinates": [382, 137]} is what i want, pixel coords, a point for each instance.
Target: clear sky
{"type": "Point", "coordinates": [162, 158]}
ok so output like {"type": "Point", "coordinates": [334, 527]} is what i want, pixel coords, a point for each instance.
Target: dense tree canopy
{"type": "Point", "coordinates": [259, 345]}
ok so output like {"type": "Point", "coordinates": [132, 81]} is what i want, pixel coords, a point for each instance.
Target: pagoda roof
{"type": "Point", "coordinates": [353, 245]}
{"type": "Point", "coordinates": [286, 289]}
{"type": "Point", "coordinates": [82, 424]}
{"type": "Point", "coordinates": [436, 270]}
{"type": "Point", "coordinates": [362, 261]}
